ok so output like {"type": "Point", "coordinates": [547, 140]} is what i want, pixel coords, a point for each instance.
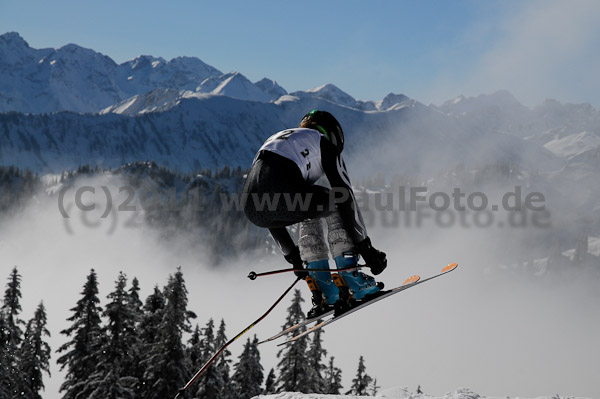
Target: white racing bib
{"type": "Point", "coordinates": [301, 145]}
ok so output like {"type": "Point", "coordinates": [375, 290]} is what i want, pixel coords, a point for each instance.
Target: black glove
{"type": "Point", "coordinates": [374, 259]}
{"type": "Point", "coordinates": [294, 259]}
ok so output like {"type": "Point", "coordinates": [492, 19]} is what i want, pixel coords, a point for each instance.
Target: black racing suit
{"type": "Point", "coordinates": [285, 170]}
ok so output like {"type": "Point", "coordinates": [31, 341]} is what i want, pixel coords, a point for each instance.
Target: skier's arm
{"type": "Point", "coordinates": [335, 170]}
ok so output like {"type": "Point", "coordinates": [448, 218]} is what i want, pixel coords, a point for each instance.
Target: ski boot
{"type": "Point", "coordinates": [324, 292]}
{"type": "Point", "coordinates": [354, 286]}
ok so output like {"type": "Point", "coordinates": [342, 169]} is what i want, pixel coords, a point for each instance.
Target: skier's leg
{"type": "Point", "coordinates": [344, 254]}
{"type": "Point", "coordinates": [314, 252]}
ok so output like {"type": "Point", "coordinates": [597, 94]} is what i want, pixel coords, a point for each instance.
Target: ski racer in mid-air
{"type": "Point", "coordinates": [280, 191]}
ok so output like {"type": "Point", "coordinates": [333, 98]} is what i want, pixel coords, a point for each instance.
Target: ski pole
{"type": "Point", "coordinates": [222, 349]}
{"type": "Point", "coordinates": [254, 275]}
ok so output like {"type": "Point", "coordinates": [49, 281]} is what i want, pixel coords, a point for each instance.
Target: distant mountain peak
{"type": "Point", "coordinates": [331, 93]}
{"type": "Point", "coordinates": [464, 105]}
{"type": "Point", "coordinates": [13, 39]}
{"type": "Point", "coordinates": [392, 99]}
{"type": "Point", "coordinates": [329, 88]}
{"type": "Point", "coordinates": [272, 88]}
{"type": "Point", "coordinates": [236, 85]}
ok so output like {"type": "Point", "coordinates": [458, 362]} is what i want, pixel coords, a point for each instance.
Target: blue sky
{"type": "Point", "coordinates": [428, 50]}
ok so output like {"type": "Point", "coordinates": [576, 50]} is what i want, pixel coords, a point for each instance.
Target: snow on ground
{"type": "Point", "coordinates": [400, 393]}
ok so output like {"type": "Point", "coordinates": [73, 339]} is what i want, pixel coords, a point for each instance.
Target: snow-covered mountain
{"type": "Point", "coordinates": [331, 93]}
{"type": "Point", "coordinates": [153, 109]}
{"type": "Point", "coordinates": [78, 79]}
{"type": "Point", "coordinates": [549, 121]}
{"type": "Point", "coordinates": [271, 87]}
{"type": "Point", "coordinates": [197, 130]}
{"type": "Point", "coordinates": [73, 78]}
{"type": "Point", "coordinates": [234, 85]}
{"type": "Point", "coordinates": [336, 95]}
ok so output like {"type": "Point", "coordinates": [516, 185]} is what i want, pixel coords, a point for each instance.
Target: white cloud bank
{"type": "Point", "coordinates": [543, 49]}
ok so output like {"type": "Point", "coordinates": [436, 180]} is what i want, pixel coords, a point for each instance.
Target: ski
{"type": "Point", "coordinates": [411, 282]}
{"type": "Point", "coordinates": [295, 327]}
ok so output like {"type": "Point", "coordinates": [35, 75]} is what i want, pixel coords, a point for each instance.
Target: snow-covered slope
{"type": "Point", "coordinates": [395, 393]}
{"type": "Point", "coordinates": [152, 101]}
{"type": "Point", "coordinates": [574, 144]}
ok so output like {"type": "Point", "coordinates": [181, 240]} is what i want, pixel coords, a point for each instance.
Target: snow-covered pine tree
{"type": "Point", "coordinates": [294, 367]}
{"type": "Point", "coordinates": [80, 358]}
{"type": "Point", "coordinates": [11, 308]}
{"type": "Point", "coordinates": [148, 333]}
{"type": "Point", "coordinates": [193, 351]}
{"type": "Point", "coordinates": [362, 381]}
{"type": "Point", "coordinates": [114, 374]}
{"type": "Point", "coordinates": [333, 379]}
{"type": "Point", "coordinates": [136, 307]}
{"type": "Point", "coordinates": [13, 334]}
{"type": "Point", "coordinates": [4, 358]}
{"type": "Point", "coordinates": [223, 363]}
{"type": "Point", "coordinates": [165, 370]}
{"type": "Point", "coordinates": [270, 383]}
{"type": "Point", "coordinates": [248, 375]}
{"type": "Point", "coordinates": [210, 384]}
{"type": "Point", "coordinates": [152, 315]}
{"type": "Point", "coordinates": [316, 354]}
{"type": "Point", "coordinates": [122, 314]}
{"type": "Point", "coordinates": [135, 302]}
{"type": "Point", "coordinates": [35, 354]}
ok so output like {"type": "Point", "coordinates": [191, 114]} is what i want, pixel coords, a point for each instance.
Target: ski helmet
{"type": "Point", "coordinates": [325, 123]}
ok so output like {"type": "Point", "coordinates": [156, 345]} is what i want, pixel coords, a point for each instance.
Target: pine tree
{"type": "Point", "coordinates": [148, 332]}
{"type": "Point", "coordinates": [165, 362]}
{"type": "Point", "coordinates": [361, 383]}
{"type": "Point", "coordinates": [248, 376]}
{"type": "Point", "coordinates": [316, 353]}
{"type": "Point", "coordinates": [333, 379]}
{"type": "Point", "coordinates": [222, 364]}
{"type": "Point", "coordinates": [12, 308]}
{"type": "Point", "coordinates": [270, 383]}
{"type": "Point", "coordinates": [114, 376]}
{"type": "Point", "coordinates": [35, 354]}
{"type": "Point", "coordinates": [80, 358]}
{"type": "Point", "coordinates": [193, 351]}
{"type": "Point", "coordinates": [294, 367]}
{"type": "Point", "coordinates": [12, 335]}
{"type": "Point", "coordinates": [136, 306]}
{"type": "Point", "coordinates": [374, 388]}
{"type": "Point", "coordinates": [211, 382]}
{"type": "Point", "coordinates": [135, 303]}
{"type": "Point", "coordinates": [152, 314]}
{"type": "Point", "coordinates": [5, 381]}
{"type": "Point", "coordinates": [122, 314]}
